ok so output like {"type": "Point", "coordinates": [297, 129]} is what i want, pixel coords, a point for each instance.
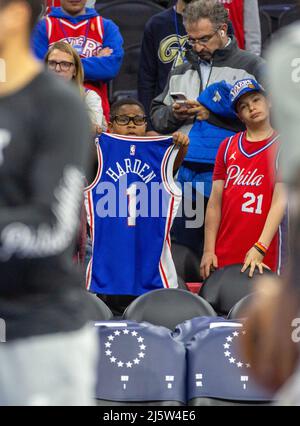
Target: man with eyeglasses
{"type": "Point", "coordinates": [213, 56]}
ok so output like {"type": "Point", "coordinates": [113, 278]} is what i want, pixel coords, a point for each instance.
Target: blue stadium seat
{"type": "Point", "coordinates": [217, 372]}
{"type": "Point", "coordinates": [140, 364]}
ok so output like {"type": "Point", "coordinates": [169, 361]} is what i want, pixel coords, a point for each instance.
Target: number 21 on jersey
{"type": "Point", "coordinates": [253, 203]}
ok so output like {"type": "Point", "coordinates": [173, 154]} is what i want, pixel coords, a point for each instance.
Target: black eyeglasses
{"type": "Point", "coordinates": [63, 65]}
{"type": "Point", "coordinates": [123, 120]}
{"type": "Point", "coordinates": [202, 41]}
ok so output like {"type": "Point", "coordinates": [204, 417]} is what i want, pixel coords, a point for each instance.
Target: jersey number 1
{"type": "Point", "coordinates": [248, 207]}
{"type": "Point", "coordinates": [131, 194]}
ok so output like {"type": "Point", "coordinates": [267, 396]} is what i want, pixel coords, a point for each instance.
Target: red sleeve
{"type": "Point", "coordinates": [220, 166]}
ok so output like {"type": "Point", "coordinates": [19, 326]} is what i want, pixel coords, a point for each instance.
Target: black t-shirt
{"type": "Point", "coordinates": [44, 144]}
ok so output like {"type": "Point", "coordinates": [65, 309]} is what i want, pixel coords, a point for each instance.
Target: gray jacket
{"type": "Point", "coordinates": [229, 64]}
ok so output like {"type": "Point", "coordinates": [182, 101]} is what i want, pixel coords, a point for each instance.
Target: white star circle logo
{"type": "Point", "coordinates": [139, 356]}
{"type": "Point", "coordinates": [228, 354]}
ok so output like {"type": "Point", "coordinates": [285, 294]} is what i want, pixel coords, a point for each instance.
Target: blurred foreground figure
{"type": "Point", "coordinates": [272, 341]}
{"type": "Point", "coordinates": [48, 352]}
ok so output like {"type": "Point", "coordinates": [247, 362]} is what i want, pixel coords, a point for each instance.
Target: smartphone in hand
{"type": "Point", "coordinates": [178, 97]}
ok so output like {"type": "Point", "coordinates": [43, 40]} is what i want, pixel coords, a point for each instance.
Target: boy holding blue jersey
{"type": "Point", "coordinates": [128, 121]}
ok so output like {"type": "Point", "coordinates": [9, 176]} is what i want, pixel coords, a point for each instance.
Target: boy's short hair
{"type": "Point", "coordinates": [125, 101]}
{"type": "Point", "coordinates": [36, 8]}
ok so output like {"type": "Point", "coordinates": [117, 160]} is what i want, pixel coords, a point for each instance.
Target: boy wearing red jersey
{"type": "Point", "coordinates": [247, 203]}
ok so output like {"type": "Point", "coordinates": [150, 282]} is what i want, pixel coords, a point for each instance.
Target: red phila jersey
{"type": "Point", "coordinates": [249, 171]}
{"type": "Point", "coordinates": [87, 38]}
{"type": "Point", "coordinates": [236, 15]}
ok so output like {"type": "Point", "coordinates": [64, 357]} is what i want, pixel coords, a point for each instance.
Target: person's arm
{"type": "Point", "coordinates": [182, 141]}
{"type": "Point", "coordinates": [253, 258]}
{"type": "Point", "coordinates": [39, 40]}
{"type": "Point", "coordinates": [46, 224]}
{"type": "Point", "coordinates": [252, 27]}
{"type": "Point", "coordinates": [106, 68]}
{"type": "Point", "coordinates": [212, 224]}
{"type": "Point", "coordinates": [147, 75]}
{"type": "Point", "coordinates": [95, 110]}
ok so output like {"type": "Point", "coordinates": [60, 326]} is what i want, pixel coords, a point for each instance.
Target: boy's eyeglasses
{"type": "Point", "coordinates": [63, 65]}
{"type": "Point", "coordinates": [123, 120]}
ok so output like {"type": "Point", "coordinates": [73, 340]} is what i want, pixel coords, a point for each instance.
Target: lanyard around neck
{"type": "Point", "coordinates": [181, 50]}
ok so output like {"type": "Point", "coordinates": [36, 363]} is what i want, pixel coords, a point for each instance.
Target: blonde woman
{"type": "Point", "coordinates": [62, 59]}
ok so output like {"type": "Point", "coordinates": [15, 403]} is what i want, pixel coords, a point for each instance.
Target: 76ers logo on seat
{"type": "Point", "coordinates": [132, 150]}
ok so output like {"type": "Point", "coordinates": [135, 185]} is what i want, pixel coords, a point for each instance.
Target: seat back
{"type": "Point", "coordinates": [218, 373]}
{"type": "Point", "coordinates": [289, 17]}
{"type": "Point", "coordinates": [266, 28]}
{"type": "Point", "coordinates": [238, 310]}
{"type": "Point", "coordinates": [186, 263]}
{"type": "Point", "coordinates": [226, 286]}
{"type": "Point", "coordinates": [134, 367]}
{"type": "Point", "coordinates": [99, 310]}
{"type": "Point", "coordinates": [167, 307]}
{"type": "Point", "coordinates": [124, 85]}
{"type": "Point", "coordinates": [130, 16]}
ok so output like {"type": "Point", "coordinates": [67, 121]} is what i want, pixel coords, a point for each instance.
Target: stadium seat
{"type": "Point", "coordinates": [167, 307]}
{"type": "Point", "coordinates": [130, 16]}
{"type": "Point", "coordinates": [135, 369]}
{"type": "Point", "coordinates": [218, 374]}
{"type": "Point", "coordinates": [100, 311]}
{"type": "Point", "coordinates": [124, 85]}
{"type": "Point", "coordinates": [266, 28]}
{"type": "Point", "coordinates": [117, 303]}
{"type": "Point", "coordinates": [226, 286]}
{"type": "Point", "coordinates": [186, 263]}
{"type": "Point", "coordinates": [237, 312]}
{"type": "Point", "coordinates": [182, 284]}
{"type": "Point", "coordinates": [289, 17]}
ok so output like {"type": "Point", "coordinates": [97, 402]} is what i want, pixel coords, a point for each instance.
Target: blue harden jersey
{"type": "Point", "coordinates": [131, 206]}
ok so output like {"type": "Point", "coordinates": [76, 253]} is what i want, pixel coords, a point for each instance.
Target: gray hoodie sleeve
{"type": "Point", "coordinates": [252, 27]}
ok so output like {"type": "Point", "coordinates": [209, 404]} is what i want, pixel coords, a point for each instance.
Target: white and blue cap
{"type": "Point", "coordinates": [242, 87]}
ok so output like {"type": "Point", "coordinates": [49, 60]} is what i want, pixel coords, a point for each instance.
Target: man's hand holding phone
{"type": "Point", "coordinates": [184, 108]}
{"type": "Point", "coordinates": [179, 106]}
